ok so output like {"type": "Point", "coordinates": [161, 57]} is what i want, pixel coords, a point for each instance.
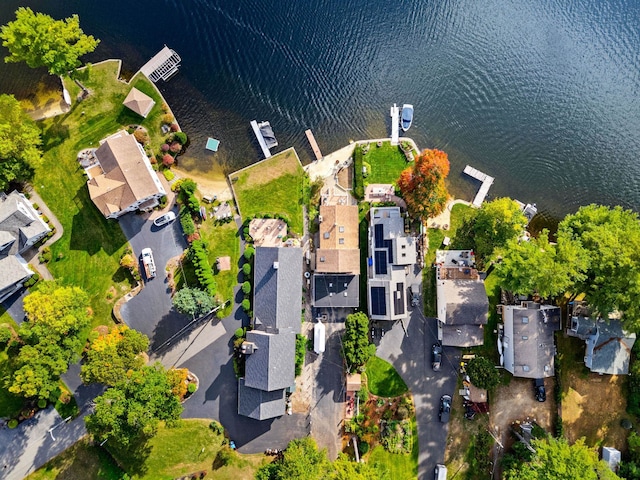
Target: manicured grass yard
{"type": "Point", "coordinates": [178, 451]}
{"type": "Point", "coordinates": [223, 241]}
{"type": "Point", "coordinates": [383, 380]}
{"type": "Point", "coordinates": [88, 253]}
{"type": "Point", "coordinates": [397, 466]}
{"type": "Point", "coordinates": [273, 186]}
{"type": "Point", "coordinates": [386, 162]}
{"type": "Point", "coordinates": [82, 460]}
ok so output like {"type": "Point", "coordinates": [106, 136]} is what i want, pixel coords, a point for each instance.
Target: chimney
{"type": "Point", "coordinates": [248, 348]}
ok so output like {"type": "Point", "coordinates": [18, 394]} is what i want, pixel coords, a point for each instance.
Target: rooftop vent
{"type": "Point", "coordinates": [275, 265]}
{"type": "Point", "coordinates": [248, 348]}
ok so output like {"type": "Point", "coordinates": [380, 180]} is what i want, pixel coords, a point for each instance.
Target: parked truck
{"type": "Point", "coordinates": [148, 263]}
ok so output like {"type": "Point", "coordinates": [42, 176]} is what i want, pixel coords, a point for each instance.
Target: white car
{"type": "Point", "coordinates": [164, 219]}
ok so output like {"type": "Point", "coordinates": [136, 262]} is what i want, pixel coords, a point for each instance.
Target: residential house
{"type": "Point", "coordinates": [608, 344]}
{"type": "Point", "coordinates": [337, 269]}
{"type": "Point", "coordinates": [139, 102]}
{"type": "Point", "coordinates": [270, 346]}
{"type": "Point", "coordinates": [463, 306]}
{"type": "Point", "coordinates": [123, 179]}
{"type": "Point", "coordinates": [527, 346]}
{"type": "Point", "coordinates": [391, 253]}
{"type": "Point", "coordinates": [20, 228]}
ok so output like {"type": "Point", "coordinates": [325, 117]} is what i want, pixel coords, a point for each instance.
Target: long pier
{"type": "Point", "coordinates": [486, 180]}
{"type": "Point", "coordinates": [395, 124]}
{"type": "Point", "coordinates": [263, 144]}
{"type": "Point", "coordinates": [314, 144]}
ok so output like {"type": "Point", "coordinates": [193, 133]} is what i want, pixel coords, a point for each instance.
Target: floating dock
{"type": "Point", "coordinates": [263, 144]}
{"type": "Point", "coordinates": [486, 180]}
{"type": "Point", "coordinates": [395, 124]}
{"type": "Point", "coordinates": [314, 144]}
{"type": "Point", "coordinates": [163, 65]}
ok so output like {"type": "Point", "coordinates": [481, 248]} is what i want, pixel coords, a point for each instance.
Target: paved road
{"type": "Point", "coordinates": [410, 354]}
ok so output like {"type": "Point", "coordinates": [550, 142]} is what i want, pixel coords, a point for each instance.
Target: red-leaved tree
{"type": "Point", "coordinates": [422, 185]}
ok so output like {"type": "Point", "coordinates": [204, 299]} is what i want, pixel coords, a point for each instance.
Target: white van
{"type": "Point", "coordinates": [441, 472]}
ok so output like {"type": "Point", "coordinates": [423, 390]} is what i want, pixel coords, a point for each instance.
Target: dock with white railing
{"type": "Point", "coordinates": [486, 180]}
{"type": "Point", "coordinates": [314, 144]}
{"type": "Point", "coordinates": [263, 144]}
{"type": "Point", "coordinates": [395, 124]}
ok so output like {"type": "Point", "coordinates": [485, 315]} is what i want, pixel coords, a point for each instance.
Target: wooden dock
{"type": "Point", "coordinates": [263, 144]}
{"type": "Point", "coordinates": [486, 180]}
{"type": "Point", "coordinates": [395, 124]}
{"type": "Point", "coordinates": [314, 144]}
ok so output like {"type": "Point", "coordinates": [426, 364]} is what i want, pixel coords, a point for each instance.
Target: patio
{"type": "Point", "coordinates": [267, 232]}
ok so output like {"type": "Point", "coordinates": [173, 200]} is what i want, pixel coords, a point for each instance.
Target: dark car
{"type": "Point", "coordinates": [445, 408]}
{"type": "Point", "coordinates": [539, 390]}
{"type": "Point", "coordinates": [436, 356]}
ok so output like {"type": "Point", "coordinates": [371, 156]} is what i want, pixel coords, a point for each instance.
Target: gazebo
{"type": "Point", "coordinates": [139, 102]}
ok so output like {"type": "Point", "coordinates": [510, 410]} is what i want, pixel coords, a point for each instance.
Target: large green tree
{"type": "Point", "coordinates": [19, 142]}
{"type": "Point", "coordinates": [130, 411]}
{"type": "Point", "coordinates": [556, 459]}
{"type": "Point", "coordinates": [52, 336]}
{"type": "Point", "coordinates": [356, 347]}
{"type": "Point", "coordinates": [41, 41]}
{"type": "Point", "coordinates": [538, 266]}
{"type": "Point", "coordinates": [422, 185]}
{"type": "Point", "coordinates": [193, 301]}
{"type": "Point", "coordinates": [494, 225]}
{"type": "Point", "coordinates": [483, 373]}
{"type": "Point", "coordinates": [111, 356]}
{"type": "Point", "coordinates": [609, 240]}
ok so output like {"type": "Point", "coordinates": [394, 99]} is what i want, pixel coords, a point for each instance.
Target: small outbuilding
{"type": "Point", "coordinates": [139, 102]}
{"type": "Point", "coordinates": [612, 457]}
{"type": "Point", "coordinates": [223, 264]}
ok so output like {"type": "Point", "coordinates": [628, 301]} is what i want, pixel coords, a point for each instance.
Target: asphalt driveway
{"type": "Point", "coordinates": [410, 353]}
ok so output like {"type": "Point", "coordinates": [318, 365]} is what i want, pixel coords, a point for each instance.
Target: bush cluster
{"type": "Point", "coordinates": [188, 227]}
{"type": "Point", "coordinates": [197, 254]}
{"type": "Point", "coordinates": [358, 179]}
{"type": "Point", "coordinates": [32, 280]}
{"type": "Point", "coordinates": [301, 350]}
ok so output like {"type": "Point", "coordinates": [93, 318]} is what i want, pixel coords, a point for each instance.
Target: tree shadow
{"type": "Point", "coordinates": [134, 457]}
{"type": "Point", "coordinates": [55, 135]}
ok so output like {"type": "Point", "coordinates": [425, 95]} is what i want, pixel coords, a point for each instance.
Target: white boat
{"type": "Point", "coordinates": [407, 117]}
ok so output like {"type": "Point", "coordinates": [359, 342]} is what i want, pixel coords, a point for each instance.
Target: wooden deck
{"type": "Point", "coordinates": [486, 180]}
{"type": "Point", "coordinates": [263, 144]}
{"type": "Point", "coordinates": [163, 65]}
{"type": "Point", "coordinates": [314, 144]}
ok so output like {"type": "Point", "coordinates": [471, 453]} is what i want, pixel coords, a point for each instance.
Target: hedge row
{"type": "Point", "coordinates": [197, 254]}
{"type": "Point", "coordinates": [358, 179]}
{"type": "Point", "coordinates": [186, 220]}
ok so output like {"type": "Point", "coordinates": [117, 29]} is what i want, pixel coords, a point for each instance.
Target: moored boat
{"type": "Point", "coordinates": [407, 117]}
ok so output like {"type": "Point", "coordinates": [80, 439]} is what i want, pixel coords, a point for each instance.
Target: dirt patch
{"type": "Point", "coordinates": [268, 170]}
{"type": "Point", "coordinates": [593, 407]}
{"type": "Point", "coordinates": [516, 401]}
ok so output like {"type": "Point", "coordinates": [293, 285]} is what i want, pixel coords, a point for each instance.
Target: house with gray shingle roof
{"type": "Point", "coordinates": [608, 345]}
{"type": "Point", "coordinates": [527, 339]}
{"type": "Point", "coordinates": [269, 348]}
{"type": "Point", "coordinates": [20, 227]}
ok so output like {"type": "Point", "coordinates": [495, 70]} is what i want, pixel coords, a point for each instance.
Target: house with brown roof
{"type": "Point", "coordinates": [20, 228]}
{"type": "Point", "coordinates": [337, 266]}
{"type": "Point", "coordinates": [139, 102]}
{"type": "Point", "coordinates": [124, 180]}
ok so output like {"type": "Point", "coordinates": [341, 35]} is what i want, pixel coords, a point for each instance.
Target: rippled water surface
{"type": "Point", "coordinates": [543, 95]}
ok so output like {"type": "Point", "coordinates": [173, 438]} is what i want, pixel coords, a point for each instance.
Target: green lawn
{"type": "Point", "coordinates": [190, 447]}
{"type": "Point", "coordinates": [273, 186]}
{"type": "Point", "coordinates": [386, 162]}
{"type": "Point", "coordinates": [396, 466]}
{"type": "Point", "coordinates": [82, 460]}
{"type": "Point", "coordinates": [383, 380]}
{"type": "Point", "coordinates": [223, 241]}
{"type": "Point", "coordinates": [90, 249]}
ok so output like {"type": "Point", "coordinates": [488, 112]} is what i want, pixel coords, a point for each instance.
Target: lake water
{"type": "Point", "coordinates": [542, 95]}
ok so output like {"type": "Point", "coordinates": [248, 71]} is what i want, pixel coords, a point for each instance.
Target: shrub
{"type": "Point", "coordinates": [168, 160]}
{"type": "Point", "coordinates": [163, 199]}
{"type": "Point", "coordinates": [164, 148]}
{"type": "Point", "coordinates": [246, 305]}
{"type": "Point", "coordinates": [168, 175]}
{"type": "Point", "coordinates": [402, 413]}
{"type": "Point", "coordinates": [240, 332]}
{"type": "Point", "coordinates": [45, 256]}
{"type": "Point", "coordinates": [167, 118]}
{"type": "Point", "coordinates": [180, 137]}
{"type": "Point", "coordinates": [33, 279]}
{"type": "Point", "coordinates": [363, 447]}
{"type": "Point", "coordinates": [141, 136]}
{"type": "Point", "coordinates": [5, 336]}
{"type": "Point", "coordinates": [246, 269]}
{"type": "Point", "coordinates": [188, 227]}
{"type": "Point", "coordinates": [192, 388]}
{"type": "Point", "coordinates": [216, 427]}
{"type": "Point", "coordinates": [42, 403]}
{"type": "Point", "coordinates": [36, 206]}
{"type": "Point", "coordinates": [249, 252]}
{"type": "Point", "coordinates": [175, 147]}
{"type": "Point", "coordinates": [246, 288]}
{"type": "Point", "coordinates": [13, 423]}
{"type": "Point", "coordinates": [301, 350]}
{"type": "Point", "coordinates": [197, 254]}
{"type": "Point", "coordinates": [358, 180]}
{"type": "Point", "coordinates": [174, 127]}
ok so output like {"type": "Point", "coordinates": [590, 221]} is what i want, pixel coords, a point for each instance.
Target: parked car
{"type": "Point", "coordinates": [164, 219]}
{"type": "Point", "coordinates": [441, 472]}
{"type": "Point", "coordinates": [539, 390]}
{"type": "Point", "coordinates": [445, 408]}
{"type": "Point", "coordinates": [415, 294]}
{"type": "Point", "coordinates": [436, 356]}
